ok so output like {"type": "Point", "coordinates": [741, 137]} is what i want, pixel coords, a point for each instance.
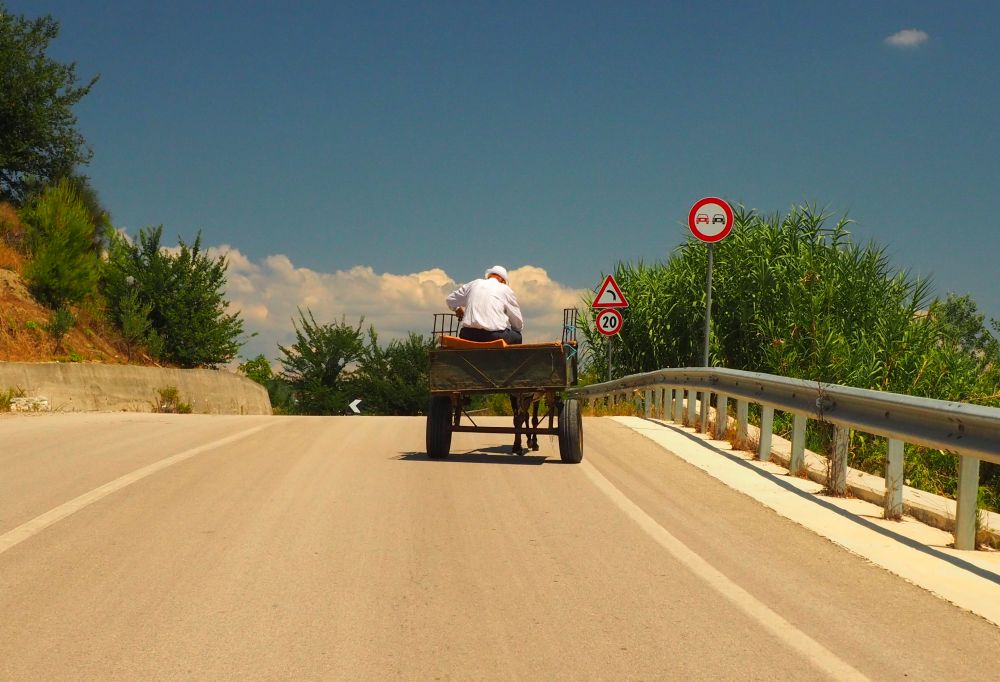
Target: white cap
{"type": "Point", "coordinates": [497, 270]}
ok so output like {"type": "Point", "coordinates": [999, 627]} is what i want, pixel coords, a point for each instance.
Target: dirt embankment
{"type": "Point", "coordinates": [24, 336]}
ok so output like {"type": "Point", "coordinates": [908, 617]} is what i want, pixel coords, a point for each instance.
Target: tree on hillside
{"type": "Point", "coordinates": [314, 366]}
{"type": "Point", "coordinates": [393, 380]}
{"type": "Point", "coordinates": [98, 215]}
{"type": "Point", "coordinates": [64, 267]}
{"type": "Point", "coordinates": [184, 294]}
{"type": "Point", "coordinates": [38, 135]}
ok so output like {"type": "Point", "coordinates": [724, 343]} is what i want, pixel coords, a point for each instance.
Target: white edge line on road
{"type": "Point", "coordinates": [960, 586]}
{"type": "Point", "coordinates": [819, 655]}
{"type": "Point", "coordinates": [39, 523]}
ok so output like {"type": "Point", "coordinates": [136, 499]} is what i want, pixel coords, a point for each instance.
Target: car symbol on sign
{"type": "Point", "coordinates": [702, 218]}
{"type": "Point", "coordinates": [718, 218]}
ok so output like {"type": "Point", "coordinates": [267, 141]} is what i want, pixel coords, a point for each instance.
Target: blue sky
{"type": "Point", "coordinates": [387, 140]}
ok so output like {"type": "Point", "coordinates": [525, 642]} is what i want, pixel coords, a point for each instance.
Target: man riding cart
{"type": "Point", "coordinates": [487, 356]}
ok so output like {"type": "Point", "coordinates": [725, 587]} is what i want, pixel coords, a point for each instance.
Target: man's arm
{"type": "Point", "coordinates": [458, 298]}
{"type": "Point", "coordinates": [513, 311]}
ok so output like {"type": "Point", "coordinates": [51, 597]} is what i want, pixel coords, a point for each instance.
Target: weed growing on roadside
{"type": "Point", "coordinates": [7, 397]}
{"type": "Point", "coordinates": [59, 324]}
{"type": "Point", "coordinates": [170, 402]}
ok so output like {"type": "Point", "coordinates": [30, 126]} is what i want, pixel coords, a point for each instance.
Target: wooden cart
{"type": "Point", "coordinates": [535, 374]}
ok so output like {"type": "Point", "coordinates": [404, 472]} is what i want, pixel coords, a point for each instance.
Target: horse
{"type": "Point", "coordinates": [521, 405]}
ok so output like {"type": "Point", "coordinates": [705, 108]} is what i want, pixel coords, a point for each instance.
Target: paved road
{"type": "Point", "coordinates": [189, 547]}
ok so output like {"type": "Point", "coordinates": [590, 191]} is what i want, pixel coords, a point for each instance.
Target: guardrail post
{"type": "Point", "coordinates": [797, 459]}
{"type": "Point", "coordinates": [766, 427]}
{"type": "Point", "coordinates": [721, 416]}
{"type": "Point", "coordinates": [967, 499]}
{"type": "Point", "coordinates": [648, 404]}
{"type": "Point", "coordinates": [666, 401]}
{"type": "Point", "coordinates": [838, 460]}
{"type": "Point", "coordinates": [678, 405]}
{"type": "Point", "coordinates": [706, 400]}
{"type": "Point", "coordinates": [893, 503]}
{"type": "Point", "coordinates": [742, 419]}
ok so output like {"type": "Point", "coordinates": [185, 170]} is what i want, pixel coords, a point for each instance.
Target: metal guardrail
{"type": "Point", "coordinates": [970, 431]}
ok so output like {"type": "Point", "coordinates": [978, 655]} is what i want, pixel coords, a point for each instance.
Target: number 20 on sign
{"type": "Point", "coordinates": [609, 321]}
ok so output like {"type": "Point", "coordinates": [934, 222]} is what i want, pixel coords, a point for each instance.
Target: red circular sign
{"type": "Point", "coordinates": [609, 321]}
{"type": "Point", "coordinates": [711, 219]}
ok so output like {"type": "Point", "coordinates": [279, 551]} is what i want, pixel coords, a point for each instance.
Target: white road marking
{"type": "Point", "coordinates": [816, 653]}
{"type": "Point", "coordinates": [929, 567]}
{"type": "Point", "coordinates": [39, 523]}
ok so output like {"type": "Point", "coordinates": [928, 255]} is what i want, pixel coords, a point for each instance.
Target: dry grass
{"type": "Point", "coordinates": [10, 259]}
{"type": "Point", "coordinates": [22, 327]}
{"type": "Point", "coordinates": [11, 229]}
{"type": "Point", "coordinates": [622, 409]}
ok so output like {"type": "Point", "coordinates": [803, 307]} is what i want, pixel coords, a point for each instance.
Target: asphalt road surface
{"type": "Point", "coordinates": [164, 547]}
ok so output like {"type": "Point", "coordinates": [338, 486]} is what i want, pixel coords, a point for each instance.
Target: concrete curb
{"type": "Point", "coordinates": [934, 510]}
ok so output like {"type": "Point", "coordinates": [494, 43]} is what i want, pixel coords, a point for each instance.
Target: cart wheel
{"type": "Point", "coordinates": [570, 432]}
{"type": "Point", "coordinates": [439, 426]}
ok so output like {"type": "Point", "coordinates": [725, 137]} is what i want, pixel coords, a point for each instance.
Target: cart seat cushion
{"type": "Point", "coordinates": [455, 342]}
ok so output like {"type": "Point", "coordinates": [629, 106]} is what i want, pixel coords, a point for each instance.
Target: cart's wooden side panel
{"type": "Point", "coordinates": [498, 369]}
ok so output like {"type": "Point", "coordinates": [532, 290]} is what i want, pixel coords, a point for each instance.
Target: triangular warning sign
{"type": "Point", "coordinates": [609, 295]}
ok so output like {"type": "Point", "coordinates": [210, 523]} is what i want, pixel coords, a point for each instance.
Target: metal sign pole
{"type": "Point", "coordinates": [703, 219]}
{"type": "Point", "coordinates": [611, 341]}
{"type": "Point", "coordinates": [708, 303]}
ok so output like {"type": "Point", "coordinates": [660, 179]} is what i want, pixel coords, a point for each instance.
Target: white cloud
{"type": "Point", "coordinates": [909, 37]}
{"type": "Point", "coordinates": [268, 294]}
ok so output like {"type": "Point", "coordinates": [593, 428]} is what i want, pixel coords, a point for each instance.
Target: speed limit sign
{"type": "Point", "coordinates": [609, 321]}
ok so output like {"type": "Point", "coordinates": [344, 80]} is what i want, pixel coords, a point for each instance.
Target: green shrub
{"type": "Point", "coordinates": [59, 324]}
{"type": "Point", "coordinates": [133, 322]}
{"type": "Point", "coordinates": [182, 292]}
{"type": "Point", "coordinates": [170, 402]}
{"type": "Point", "coordinates": [64, 266]}
{"type": "Point", "coordinates": [7, 397]}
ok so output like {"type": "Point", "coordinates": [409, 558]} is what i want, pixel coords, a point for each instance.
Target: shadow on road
{"type": "Point", "coordinates": [494, 455]}
{"type": "Point", "coordinates": [819, 501]}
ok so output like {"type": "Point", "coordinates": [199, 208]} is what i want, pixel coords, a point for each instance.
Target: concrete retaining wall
{"type": "Point", "coordinates": [78, 387]}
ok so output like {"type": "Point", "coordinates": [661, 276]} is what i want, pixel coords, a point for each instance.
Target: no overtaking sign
{"type": "Point", "coordinates": [711, 219]}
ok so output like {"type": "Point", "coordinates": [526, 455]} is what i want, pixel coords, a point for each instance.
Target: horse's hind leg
{"type": "Point", "coordinates": [515, 404]}
{"type": "Point", "coordinates": [533, 433]}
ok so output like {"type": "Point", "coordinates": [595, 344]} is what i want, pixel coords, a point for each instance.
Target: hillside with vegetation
{"type": "Point", "coordinates": [30, 332]}
{"type": "Point", "coordinates": [72, 289]}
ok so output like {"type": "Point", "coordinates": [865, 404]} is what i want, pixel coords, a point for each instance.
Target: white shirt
{"type": "Point", "coordinates": [489, 304]}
